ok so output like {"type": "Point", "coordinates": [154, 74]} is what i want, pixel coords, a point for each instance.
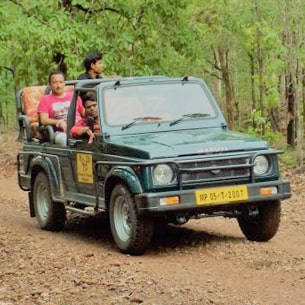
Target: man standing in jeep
{"type": "Point", "coordinates": [93, 65]}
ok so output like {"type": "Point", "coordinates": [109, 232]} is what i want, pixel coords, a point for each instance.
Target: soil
{"type": "Point", "coordinates": [206, 261]}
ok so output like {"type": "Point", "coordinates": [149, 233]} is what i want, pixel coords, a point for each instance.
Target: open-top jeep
{"type": "Point", "coordinates": [164, 155]}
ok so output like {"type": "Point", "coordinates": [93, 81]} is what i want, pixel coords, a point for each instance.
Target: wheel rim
{"type": "Point", "coordinates": [42, 201]}
{"type": "Point", "coordinates": [122, 218]}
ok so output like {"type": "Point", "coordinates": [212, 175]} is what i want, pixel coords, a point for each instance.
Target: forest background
{"type": "Point", "coordinates": [251, 53]}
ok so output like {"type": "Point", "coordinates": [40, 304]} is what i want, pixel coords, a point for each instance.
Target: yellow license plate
{"type": "Point", "coordinates": [222, 195]}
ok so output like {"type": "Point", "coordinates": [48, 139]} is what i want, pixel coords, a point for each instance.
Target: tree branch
{"type": "Point", "coordinates": [30, 14]}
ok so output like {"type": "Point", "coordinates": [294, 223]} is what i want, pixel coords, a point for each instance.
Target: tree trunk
{"type": "Point", "coordinates": [228, 88]}
{"type": "Point", "coordinates": [283, 114]}
{"type": "Point", "coordinates": [292, 124]}
{"type": "Point", "coordinates": [261, 85]}
{"type": "Point", "coordinates": [59, 59]}
{"type": "Point", "coordinates": [303, 98]}
{"type": "Point", "coordinates": [254, 101]}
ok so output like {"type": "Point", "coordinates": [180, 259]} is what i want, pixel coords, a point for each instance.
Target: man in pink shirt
{"type": "Point", "coordinates": [53, 108]}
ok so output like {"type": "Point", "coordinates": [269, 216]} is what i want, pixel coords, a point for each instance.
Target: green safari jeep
{"type": "Point", "coordinates": [164, 154]}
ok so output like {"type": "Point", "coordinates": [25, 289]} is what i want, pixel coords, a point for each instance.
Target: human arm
{"type": "Point", "coordinates": [46, 115]}
{"type": "Point", "coordinates": [79, 130]}
{"type": "Point", "coordinates": [46, 120]}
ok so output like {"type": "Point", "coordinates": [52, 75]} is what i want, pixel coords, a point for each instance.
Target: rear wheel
{"type": "Point", "coordinates": [50, 215]}
{"type": "Point", "coordinates": [131, 232]}
{"type": "Point", "coordinates": [262, 223]}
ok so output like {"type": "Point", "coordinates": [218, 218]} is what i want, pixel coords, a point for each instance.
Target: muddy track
{"type": "Point", "coordinates": [203, 262]}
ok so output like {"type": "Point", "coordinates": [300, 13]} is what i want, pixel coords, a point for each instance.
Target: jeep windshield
{"type": "Point", "coordinates": [169, 103]}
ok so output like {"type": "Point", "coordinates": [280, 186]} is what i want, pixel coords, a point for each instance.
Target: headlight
{"type": "Point", "coordinates": [261, 165]}
{"type": "Point", "coordinates": [162, 174]}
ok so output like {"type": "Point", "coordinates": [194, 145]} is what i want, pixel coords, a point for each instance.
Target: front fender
{"type": "Point", "coordinates": [51, 166]}
{"type": "Point", "coordinates": [128, 175]}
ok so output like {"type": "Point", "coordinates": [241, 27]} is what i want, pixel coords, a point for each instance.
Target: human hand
{"type": "Point", "coordinates": [91, 136]}
{"type": "Point", "coordinates": [62, 125]}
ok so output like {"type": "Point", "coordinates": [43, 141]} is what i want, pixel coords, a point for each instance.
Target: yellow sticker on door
{"type": "Point", "coordinates": [84, 168]}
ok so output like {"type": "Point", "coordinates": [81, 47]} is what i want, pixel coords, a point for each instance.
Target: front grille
{"type": "Point", "coordinates": [207, 171]}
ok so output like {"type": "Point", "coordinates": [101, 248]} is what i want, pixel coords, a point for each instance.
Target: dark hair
{"type": "Point", "coordinates": [89, 96]}
{"type": "Point", "coordinates": [92, 58]}
{"type": "Point", "coordinates": [55, 73]}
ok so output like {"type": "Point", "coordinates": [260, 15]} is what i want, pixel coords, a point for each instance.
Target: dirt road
{"type": "Point", "coordinates": [204, 262]}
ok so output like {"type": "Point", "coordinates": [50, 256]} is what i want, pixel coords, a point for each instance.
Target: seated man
{"type": "Point", "coordinates": [88, 126]}
{"type": "Point", "coordinates": [53, 108]}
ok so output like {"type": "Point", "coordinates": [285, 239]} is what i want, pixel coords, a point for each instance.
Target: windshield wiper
{"type": "Point", "coordinates": [189, 116]}
{"type": "Point", "coordinates": [142, 118]}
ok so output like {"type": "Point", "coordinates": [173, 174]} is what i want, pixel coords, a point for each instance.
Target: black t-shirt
{"type": "Point", "coordinates": [82, 77]}
{"type": "Point", "coordinates": [86, 76]}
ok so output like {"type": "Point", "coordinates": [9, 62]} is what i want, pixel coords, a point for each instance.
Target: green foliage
{"type": "Point", "coordinates": [7, 104]}
{"type": "Point", "coordinates": [289, 159]}
{"type": "Point", "coordinates": [262, 128]}
{"type": "Point", "coordinates": [176, 37]}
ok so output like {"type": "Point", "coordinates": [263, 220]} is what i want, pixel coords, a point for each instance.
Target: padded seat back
{"type": "Point", "coordinates": [30, 100]}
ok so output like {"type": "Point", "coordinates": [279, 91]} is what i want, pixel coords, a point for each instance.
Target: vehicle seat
{"type": "Point", "coordinates": [27, 103]}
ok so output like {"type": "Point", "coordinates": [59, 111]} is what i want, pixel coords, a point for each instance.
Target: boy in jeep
{"type": "Point", "coordinates": [89, 125]}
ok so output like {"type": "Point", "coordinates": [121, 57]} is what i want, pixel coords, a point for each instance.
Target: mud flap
{"type": "Point", "coordinates": [31, 205]}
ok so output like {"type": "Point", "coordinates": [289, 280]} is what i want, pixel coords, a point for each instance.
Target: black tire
{"type": "Point", "coordinates": [50, 215]}
{"type": "Point", "coordinates": [264, 225]}
{"type": "Point", "coordinates": [131, 232]}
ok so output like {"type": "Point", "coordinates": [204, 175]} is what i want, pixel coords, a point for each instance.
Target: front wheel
{"type": "Point", "coordinates": [262, 223]}
{"type": "Point", "coordinates": [131, 232]}
{"type": "Point", "coordinates": [50, 215]}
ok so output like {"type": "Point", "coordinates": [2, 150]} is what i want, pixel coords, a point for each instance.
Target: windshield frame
{"type": "Point", "coordinates": [151, 122]}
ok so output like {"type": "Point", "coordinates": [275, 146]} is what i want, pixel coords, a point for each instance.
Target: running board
{"type": "Point", "coordinates": [90, 211]}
